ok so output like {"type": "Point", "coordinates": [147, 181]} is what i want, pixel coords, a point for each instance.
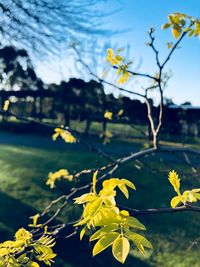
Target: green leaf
{"type": "Point", "coordinates": [120, 58]}
{"type": "Point", "coordinates": [120, 49]}
{"type": "Point", "coordinates": [140, 241]}
{"type": "Point", "coordinates": [104, 242]}
{"type": "Point", "coordinates": [105, 230]}
{"type": "Point", "coordinates": [134, 223]}
{"type": "Point", "coordinates": [183, 22]}
{"type": "Point", "coordinates": [191, 32]}
{"type": "Point", "coordinates": [169, 45]}
{"type": "Point", "coordinates": [120, 249]}
{"type": "Point", "coordinates": [174, 19]}
{"type": "Point", "coordinates": [166, 26]}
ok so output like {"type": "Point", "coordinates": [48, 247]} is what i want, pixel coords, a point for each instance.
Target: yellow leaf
{"type": "Point", "coordinates": [32, 264]}
{"type": "Point", "coordinates": [88, 197]}
{"type": "Point", "coordinates": [110, 54]}
{"type": "Point", "coordinates": [84, 221]}
{"type": "Point", "coordinates": [120, 112]}
{"type": "Point", "coordinates": [190, 196]}
{"type": "Point", "coordinates": [104, 242]}
{"type": "Point", "coordinates": [196, 190]}
{"type": "Point", "coordinates": [128, 183]}
{"type": "Point", "coordinates": [124, 77]}
{"type": "Point", "coordinates": [176, 31]}
{"type": "Point", "coordinates": [108, 115]}
{"type": "Point", "coordinates": [82, 233]}
{"type": "Point", "coordinates": [64, 134]}
{"type": "Point", "coordinates": [134, 223]}
{"type": "Point", "coordinates": [6, 105]}
{"type": "Point", "coordinates": [124, 213]}
{"type": "Point", "coordinates": [55, 176]}
{"type": "Point", "coordinates": [104, 230]}
{"type": "Point", "coordinates": [120, 249]}
{"type": "Point", "coordinates": [109, 200]}
{"type": "Point", "coordinates": [95, 206]}
{"type": "Point", "coordinates": [124, 190]}
{"type": "Point", "coordinates": [35, 219]}
{"type": "Point", "coordinates": [94, 181]}
{"type": "Point", "coordinates": [175, 181]}
{"type": "Point", "coordinates": [119, 58]}
{"type": "Point", "coordinates": [23, 234]}
{"type": "Point", "coordinates": [140, 241]}
{"type": "Point", "coordinates": [175, 201]}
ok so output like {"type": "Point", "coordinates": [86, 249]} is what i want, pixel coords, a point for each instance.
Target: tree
{"type": "Point", "coordinates": [47, 26]}
{"type": "Point", "coordinates": [103, 219]}
{"type": "Point", "coordinates": [17, 71]}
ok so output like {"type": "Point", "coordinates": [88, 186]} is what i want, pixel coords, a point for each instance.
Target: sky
{"type": "Point", "coordinates": [137, 17]}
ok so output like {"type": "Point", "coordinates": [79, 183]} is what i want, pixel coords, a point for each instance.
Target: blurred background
{"type": "Point", "coordinates": [52, 62]}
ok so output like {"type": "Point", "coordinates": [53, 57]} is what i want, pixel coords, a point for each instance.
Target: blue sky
{"type": "Point", "coordinates": [138, 17]}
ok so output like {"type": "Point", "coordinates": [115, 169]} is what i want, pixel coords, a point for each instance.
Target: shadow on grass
{"type": "Point", "coordinates": [13, 215]}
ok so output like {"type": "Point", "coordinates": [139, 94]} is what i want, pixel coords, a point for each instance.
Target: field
{"type": "Point", "coordinates": [26, 160]}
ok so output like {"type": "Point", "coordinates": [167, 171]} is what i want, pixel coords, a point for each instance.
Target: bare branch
{"type": "Point", "coordinates": [143, 212]}
{"type": "Point", "coordinates": [144, 75]}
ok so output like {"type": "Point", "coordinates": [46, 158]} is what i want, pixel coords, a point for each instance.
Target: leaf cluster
{"type": "Point", "coordinates": [25, 251]}
{"type": "Point", "coordinates": [64, 134]}
{"type": "Point", "coordinates": [55, 176]}
{"type": "Point", "coordinates": [187, 196]}
{"type": "Point", "coordinates": [180, 23]}
{"type": "Point", "coordinates": [109, 225]}
{"type": "Point", "coordinates": [122, 66]}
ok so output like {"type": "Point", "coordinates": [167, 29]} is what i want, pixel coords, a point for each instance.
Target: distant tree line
{"type": "Point", "coordinates": [77, 99]}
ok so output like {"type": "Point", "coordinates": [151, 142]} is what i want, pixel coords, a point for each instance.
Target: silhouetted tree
{"type": "Point", "coordinates": [16, 70]}
{"type": "Point", "coordinates": [43, 25]}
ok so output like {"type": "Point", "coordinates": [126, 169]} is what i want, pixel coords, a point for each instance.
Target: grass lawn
{"type": "Point", "coordinates": [26, 160]}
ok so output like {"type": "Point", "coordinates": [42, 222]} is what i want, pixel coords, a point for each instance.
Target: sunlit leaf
{"type": "Point", "coordinates": [175, 181]}
{"type": "Point", "coordinates": [175, 201]}
{"type": "Point", "coordinates": [176, 31]}
{"type": "Point", "coordinates": [94, 181]}
{"type": "Point", "coordinates": [120, 249]}
{"type": "Point", "coordinates": [104, 230]}
{"type": "Point", "coordinates": [104, 242]}
{"type": "Point", "coordinates": [134, 223]}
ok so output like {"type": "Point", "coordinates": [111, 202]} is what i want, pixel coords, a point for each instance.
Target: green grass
{"type": "Point", "coordinates": [26, 160]}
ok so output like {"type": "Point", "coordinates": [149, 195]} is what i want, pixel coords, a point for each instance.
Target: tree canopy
{"type": "Point", "coordinates": [43, 26]}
